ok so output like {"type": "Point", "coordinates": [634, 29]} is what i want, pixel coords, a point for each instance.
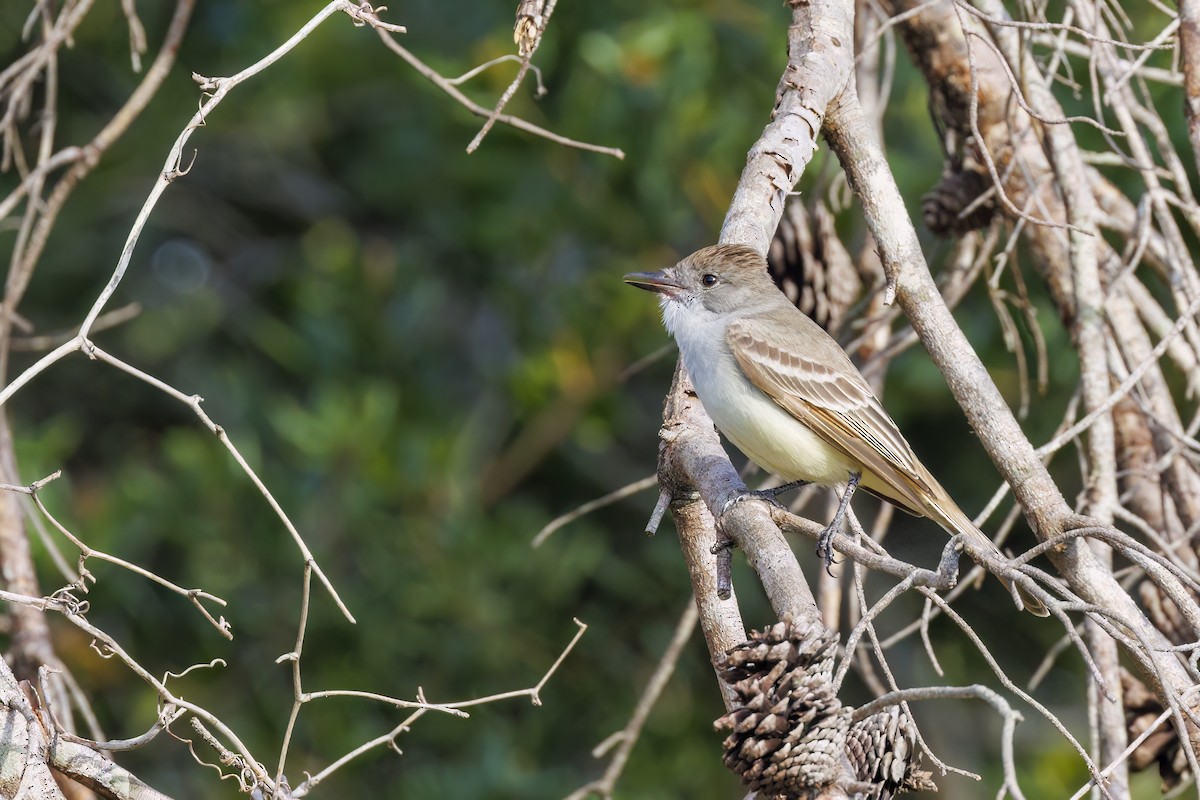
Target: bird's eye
{"type": "Point", "coordinates": [709, 280]}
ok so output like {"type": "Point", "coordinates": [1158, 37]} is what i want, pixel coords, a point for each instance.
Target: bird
{"type": "Point", "coordinates": [785, 393]}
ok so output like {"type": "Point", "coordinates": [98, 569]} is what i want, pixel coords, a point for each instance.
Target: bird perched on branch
{"type": "Point", "coordinates": [786, 394]}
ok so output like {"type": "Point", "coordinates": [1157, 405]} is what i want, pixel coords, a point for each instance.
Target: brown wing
{"type": "Point", "coordinates": [812, 379]}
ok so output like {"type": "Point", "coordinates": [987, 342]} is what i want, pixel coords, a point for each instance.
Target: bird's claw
{"type": "Point", "coordinates": [767, 495]}
{"type": "Point", "coordinates": [825, 548]}
{"type": "Point", "coordinates": [825, 539]}
{"type": "Point", "coordinates": [748, 495]}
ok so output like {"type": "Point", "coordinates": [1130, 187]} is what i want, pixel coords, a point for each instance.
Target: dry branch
{"type": "Point", "coordinates": [39, 734]}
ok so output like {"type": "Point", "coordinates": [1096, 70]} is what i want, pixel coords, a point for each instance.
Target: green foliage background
{"type": "Point", "coordinates": [423, 354]}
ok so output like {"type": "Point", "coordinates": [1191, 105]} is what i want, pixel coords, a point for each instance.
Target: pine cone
{"type": "Point", "coordinates": [812, 267]}
{"type": "Point", "coordinates": [791, 738]}
{"type": "Point", "coordinates": [1165, 614]}
{"type": "Point", "coordinates": [790, 734]}
{"type": "Point", "coordinates": [942, 205]}
{"type": "Point", "coordinates": [883, 750]}
{"type": "Point", "coordinates": [1142, 709]}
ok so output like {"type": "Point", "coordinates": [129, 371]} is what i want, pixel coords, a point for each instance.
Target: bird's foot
{"type": "Point", "coordinates": [825, 545]}
{"type": "Point", "coordinates": [825, 539]}
{"type": "Point", "coordinates": [769, 495]}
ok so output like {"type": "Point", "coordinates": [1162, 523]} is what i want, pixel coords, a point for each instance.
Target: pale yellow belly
{"type": "Point", "coordinates": [775, 440]}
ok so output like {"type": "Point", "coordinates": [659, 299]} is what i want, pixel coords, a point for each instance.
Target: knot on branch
{"type": "Point", "coordinates": [942, 208]}
{"type": "Point", "coordinates": [792, 737]}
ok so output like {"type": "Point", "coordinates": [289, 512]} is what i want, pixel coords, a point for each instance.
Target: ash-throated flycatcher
{"type": "Point", "coordinates": [785, 392]}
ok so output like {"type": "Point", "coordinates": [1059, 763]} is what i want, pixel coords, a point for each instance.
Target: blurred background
{"type": "Point", "coordinates": [426, 355]}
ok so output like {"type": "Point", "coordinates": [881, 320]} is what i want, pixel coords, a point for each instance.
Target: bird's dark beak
{"type": "Point", "coordinates": [661, 282]}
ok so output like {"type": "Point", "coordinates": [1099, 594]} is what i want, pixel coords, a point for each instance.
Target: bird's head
{"type": "Point", "coordinates": [709, 284]}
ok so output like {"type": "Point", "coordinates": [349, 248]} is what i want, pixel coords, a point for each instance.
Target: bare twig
{"type": "Point", "coordinates": [447, 86]}
{"type": "Point", "coordinates": [529, 37]}
{"type": "Point", "coordinates": [592, 505]}
{"type": "Point", "coordinates": [389, 739]}
{"type": "Point", "coordinates": [625, 739]}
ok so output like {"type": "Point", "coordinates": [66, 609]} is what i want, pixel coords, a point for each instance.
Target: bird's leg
{"type": "Point", "coordinates": [825, 539]}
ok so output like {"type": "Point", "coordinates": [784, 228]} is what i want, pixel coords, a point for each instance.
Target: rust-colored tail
{"type": "Point", "coordinates": [946, 513]}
